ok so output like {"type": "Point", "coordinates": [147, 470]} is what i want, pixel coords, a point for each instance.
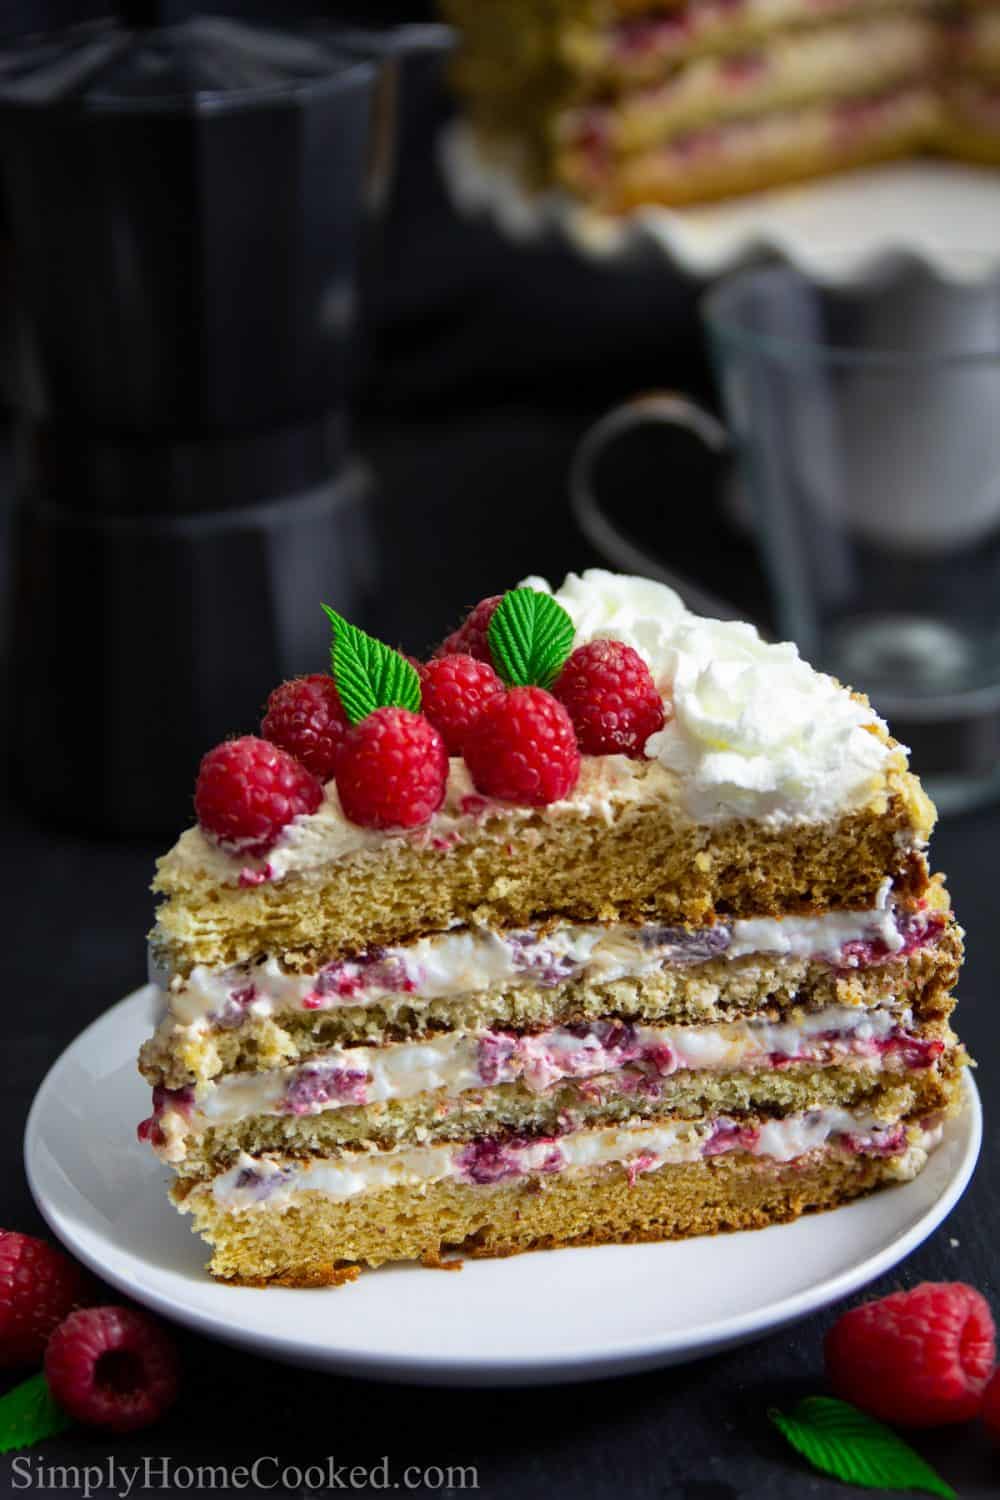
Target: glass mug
{"type": "Point", "coordinates": [865, 424]}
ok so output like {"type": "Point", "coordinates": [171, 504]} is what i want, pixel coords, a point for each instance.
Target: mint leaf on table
{"type": "Point", "coordinates": [530, 636]}
{"type": "Point", "coordinates": [28, 1414]}
{"type": "Point", "coordinates": [838, 1439]}
{"type": "Point", "coordinates": [369, 674]}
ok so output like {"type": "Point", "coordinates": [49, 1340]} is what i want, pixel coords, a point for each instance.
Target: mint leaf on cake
{"type": "Point", "coordinates": [530, 636]}
{"type": "Point", "coordinates": [369, 674]}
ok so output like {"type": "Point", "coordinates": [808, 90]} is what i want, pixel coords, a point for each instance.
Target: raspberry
{"type": "Point", "coordinates": [112, 1367]}
{"type": "Point", "coordinates": [454, 692]}
{"type": "Point", "coordinates": [392, 770]}
{"type": "Point", "coordinates": [991, 1407]}
{"type": "Point", "coordinates": [249, 790]}
{"type": "Point", "coordinates": [522, 749]}
{"type": "Point", "coordinates": [306, 718]}
{"type": "Point", "coordinates": [470, 639]}
{"type": "Point", "coordinates": [39, 1286]}
{"type": "Point", "coordinates": [919, 1359]}
{"type": "Point", "coordinates": [609, 693]}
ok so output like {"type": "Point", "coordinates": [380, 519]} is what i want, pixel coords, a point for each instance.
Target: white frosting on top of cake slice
{"type": "Point", "coordinates": [754, 731]}
{"type": "Point", "coordinates": [607, 783]}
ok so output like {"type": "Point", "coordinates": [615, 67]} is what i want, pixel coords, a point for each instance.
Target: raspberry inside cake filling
{"type": "Point", "coordinates": [655, 953]}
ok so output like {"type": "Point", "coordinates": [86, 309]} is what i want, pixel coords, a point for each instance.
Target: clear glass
{"type": "Point", "coordinates": [867, 423]}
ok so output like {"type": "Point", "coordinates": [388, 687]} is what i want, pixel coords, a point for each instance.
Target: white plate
{"type": "Point", "coordinates": [558, 1315]}
{"type": "Point", "coordinates": [836, 230]}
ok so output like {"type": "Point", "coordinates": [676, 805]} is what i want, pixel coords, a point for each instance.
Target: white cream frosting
{"type": "Point", "coordinates": [459, 1061]}
{"type": "Point", "coordinates": [754, 731]}
{"type": "Point", "coordinates": [607, 783]}
{"type": "Point", "coordinates": [265, 1183]}
{"type": "Point", "coordinates": [474, 960]}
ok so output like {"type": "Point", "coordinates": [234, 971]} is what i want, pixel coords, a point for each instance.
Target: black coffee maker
{"type": "Point", "coordinates": [191, 204]}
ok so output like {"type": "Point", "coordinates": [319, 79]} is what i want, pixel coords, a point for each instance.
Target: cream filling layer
{"type": "Point", "coordinates": [474, 960]}
{"type": "Point", "coordinates": [256, 1183]}
{"type": "Point", "coordinates": [621, 1057]}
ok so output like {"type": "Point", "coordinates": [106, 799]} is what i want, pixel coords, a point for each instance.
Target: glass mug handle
{"type": "Point", "coordinates": [661, 408]}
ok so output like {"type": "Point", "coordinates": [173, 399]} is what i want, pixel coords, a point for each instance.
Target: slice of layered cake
{"type": "Point", "coordinates": [626, 102]}
{"type": "Point", "coordinates": [609, 923]}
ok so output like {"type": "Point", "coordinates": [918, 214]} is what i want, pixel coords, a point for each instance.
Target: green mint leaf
{"type": "Point", "coordinates": [838, 1439]}
{"type": "Point", "coordinates": [368, 674]}
{"type": "Point", "coordinates": [530, 637]}
{"type": "Point", "coordinates": [28, 1414]}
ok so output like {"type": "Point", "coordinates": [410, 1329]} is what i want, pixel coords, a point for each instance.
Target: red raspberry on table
{"type": "Point", "coordinates": [112, 1367]}
{"type": "Point", "coordinates": [454, 690]}
{"type": "Point", "coordinates": [609, 693]}
{"type": "Point", "coordinates": [471, 637]}
{"type": "Point", "coordinates": [919, 1359]}
{"type": "Point", "coordinates": [522, 749]}
{"type": "Point", "coordinates": [249, 790]}
{"type": "Point", "coordinates": [392, 771]}
{"type": "Point", "coordinates": [991, 1407]}
{"type": "Point", "coordinates": [39, 1286]}
{"type": "Point", "coordinates": [306, 718]}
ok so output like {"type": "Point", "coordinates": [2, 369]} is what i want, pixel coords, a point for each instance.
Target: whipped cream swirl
{"type": "Point", "coordinates": [754, 731]}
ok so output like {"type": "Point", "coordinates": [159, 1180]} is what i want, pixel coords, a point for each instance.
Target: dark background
{"type": "Point", "coordinates": [488, 364]}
